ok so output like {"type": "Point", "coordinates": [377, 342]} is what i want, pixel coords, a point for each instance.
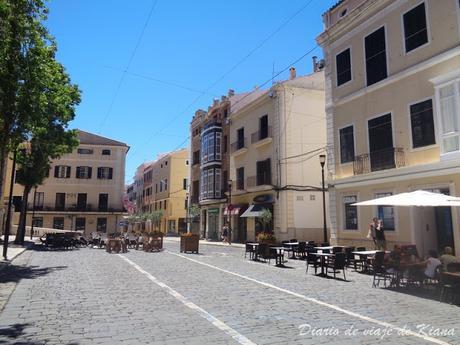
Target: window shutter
{"type": "Point", "coordinates": [67, 175]}
{"type": "Point", "coordinates": [56, 171]}
{"type": "Point", "coordinates": [268, 173]}
{"type": "Point", "coordinates": [110, 173]}
{"type": "Point", "coordinates": [78, 172]}
{"type": "Point", "coordinates": [99, 172]}
{"type": "Point", "coordinates": [90, 171]}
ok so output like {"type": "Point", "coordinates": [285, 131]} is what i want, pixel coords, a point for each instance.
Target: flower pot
{"type": "Point", "coordinates": [189, 244]}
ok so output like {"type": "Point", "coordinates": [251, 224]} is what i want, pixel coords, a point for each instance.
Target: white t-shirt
{"type": "Point", "coordinates": [431, 265]}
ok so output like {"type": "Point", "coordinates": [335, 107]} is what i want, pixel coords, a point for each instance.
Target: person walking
{"type": "Point", "coordinates": [377, 233]}
{"type": "Point", "coordinates": [225, 233]}
{"type": "Point", "coordinates": [229, 235]}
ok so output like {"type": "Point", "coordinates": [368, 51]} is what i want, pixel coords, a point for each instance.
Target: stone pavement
{"type": "Point", "coordinates": [88, 296]}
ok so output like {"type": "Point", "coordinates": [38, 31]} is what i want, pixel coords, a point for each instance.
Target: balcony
{"type": "Point", "coordinates": [258, 181]}
{"type": "Point", "coordinates": [239, 147]}
{"type": "Point", "coordinates": [262, 136]}
{"type": "Point", "coordinates": [73, 208]}
{"type": "Point", "coordinates": [390, 158]}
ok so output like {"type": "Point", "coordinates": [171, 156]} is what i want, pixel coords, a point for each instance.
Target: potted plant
{"type": "Point", "coordinates": [189, 243]}
{"type": "Point", "coordinates": [266, 218]}
{"type": "Point", "coordinates": [266, 237]}
{"type": "Point", "coordinates": [154, 241]}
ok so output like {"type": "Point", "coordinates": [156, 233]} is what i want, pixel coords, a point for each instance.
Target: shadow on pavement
{"type": "Point", "coordinates": [14, 273]}
{"type": "Point", "coordinates": [8, 334]}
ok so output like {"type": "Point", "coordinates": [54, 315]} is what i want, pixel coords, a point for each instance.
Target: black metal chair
{"type": "Point", "coordinates": [312, 260]}
{"type": "Point", "coordinates": [249, 250]}
{"type": "Point", "coordinates": [277, 255]}
{"type": "Point", "coordinates": [379, 270]}
{"type": "Point", "coordinates": [453, 267]}
{"type": "Point", "coordinates": [293, 240]}
{"type": "Point", "coordinates": [263, 251]}
{"type": "Point", "coordinates": [337, 250]}
{"type": "Point", "coordinates": [337, 264]}
{"type": "Point", "coordinates": [450, 287]}
{"type": "Point", "coordinates": [349, 255]}
{"type": "Point", "coordinates": [358, 261]}
{"type": "Point", "coordinates": [301, 250]}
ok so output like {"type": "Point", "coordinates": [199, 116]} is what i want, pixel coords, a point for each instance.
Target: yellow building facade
{"type": "Point", "coordinates": [393, 109]}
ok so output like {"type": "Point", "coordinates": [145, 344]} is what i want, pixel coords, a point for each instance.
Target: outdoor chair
{"type": "Point", "coordinates": [274, 254]}
{"type": "Point", "coordinates": [263, 251]}
{"type": "Point", "coordinates": [293, 240]}
{"type": "Point", "coordinates": [301, 250]}
{"type": "Point", "coordinates": [453, 267]}
{"type": "Point", "coordinates": [336, 250]}
{"type": "Point", "coordinates": [312, 260]}
{"type": "Point", "coordinates": [349, 255]}
{"type": "Point", "coordinates": [286, 248]}
{"type": "Point", "coordinates": [248, 250]}
{"type": "Point", "coordinates": [325, 244]}
{"type": "Point", "coordinates": [357, 260]}
{"type": "Point", "coordinates": [379, 270]}
{"type": "Point", "coordinates": [337, 264]}
{"type": "Point", "coordinates": [450, 288]}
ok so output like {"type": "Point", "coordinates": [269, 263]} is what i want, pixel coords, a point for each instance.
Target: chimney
{"type": "Point", "coordinates": [292, 73]}
{"type": "Point", "coordinates": [315, 64]}
{"type": "Point", "coordinates": [215, 102]}
{"type": "Point", "coordinates": [231, 93]}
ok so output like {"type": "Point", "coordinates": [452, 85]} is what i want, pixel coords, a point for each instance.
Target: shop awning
{"type": "Point", "coordinates": [255, 210]}
{"type": "Point", "coordinates": [234, 210]}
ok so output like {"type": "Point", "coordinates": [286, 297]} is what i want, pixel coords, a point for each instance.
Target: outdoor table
{"type": "Point", "coordinates": [323, 257]}
{"type": "Point", "coordinates": [455, 275]}
{"type": "Point", "coordinates": [255, 247]}
{"type": "Point", "coordinates": [364, 255]}
{"type": "Point", "coordinates": [280, 257]}
{"type": "Point", "coordinates": [291, 245]}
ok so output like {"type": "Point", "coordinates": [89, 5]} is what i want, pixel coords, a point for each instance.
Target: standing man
{"type": "Point", "coordinates": [229, 234]}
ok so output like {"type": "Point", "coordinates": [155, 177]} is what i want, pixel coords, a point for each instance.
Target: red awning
{"type": "Point", "coordinates": [234, 210]}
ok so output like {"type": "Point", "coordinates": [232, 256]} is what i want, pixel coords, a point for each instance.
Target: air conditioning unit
{"type": "Point", "coordinates": [228, 121]}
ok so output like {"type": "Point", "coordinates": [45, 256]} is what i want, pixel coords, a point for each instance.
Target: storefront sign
{"type": "Point", "coordinates": [264, 198]}
{"type": "Point", "coordinates": [213, 210]}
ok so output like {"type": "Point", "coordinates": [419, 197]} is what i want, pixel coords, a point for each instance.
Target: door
{"type": "Point", "coordinates": [213, 221]}
{"type": "Point", "coordinates": [381, 151]}
{"type": "Point", "coordinates": [242, 229]}
{"type": "Point", "coordinates": [60, 201]}
{"type": "Point", "coordinates": [103, 202]}
{"type": "Point", "coordinates": [444, 228]}
{"type": "Point", "coordinates": [81, 201]}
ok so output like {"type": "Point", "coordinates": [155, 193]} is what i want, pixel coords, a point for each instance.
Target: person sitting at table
{"type": "Point", "coordinates": [427, 268]}
{"type": "Point", "coordinates": [393, 259]}
{"type": "Point", "coordinates": [447, 258]}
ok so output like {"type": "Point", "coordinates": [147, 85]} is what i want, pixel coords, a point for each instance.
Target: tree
{"type": "Point", "coordinates": [34, 164]}
{"type": "Point", "coordinates": [33, 85]}
{"type": "Point", "coordinates": [155, 217]}
{"type": "Point", "coordinates": [266, 218]}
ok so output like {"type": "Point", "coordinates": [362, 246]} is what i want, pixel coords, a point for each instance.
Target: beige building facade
{"type": "Point", "coordinates": [393, 115]}
{"type": "Point", "coordinates": [165, 184]}
{"type": "Point", "coordinates": [276, 137]}
{"type": "Point", "coordinates": [84, 189]}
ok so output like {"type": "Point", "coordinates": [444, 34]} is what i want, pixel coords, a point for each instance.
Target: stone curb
{"type": "Point", "coordinates": [208, 243]}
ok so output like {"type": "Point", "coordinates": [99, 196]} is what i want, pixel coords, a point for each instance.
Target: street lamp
{"type": "Point", "coordinates": [322, 161]}
{"type": "Point", "coordinates": [229, 203]}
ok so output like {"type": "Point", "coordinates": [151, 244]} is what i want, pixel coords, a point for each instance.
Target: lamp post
{"type": "Point", "coordinates": [187, 203]}
{"type": "Point", "coordinates": [33, 214]}
{"type": "Point", "coordinates": [322, 161]}
{"type": "Point", "coordinates": [229, 204]}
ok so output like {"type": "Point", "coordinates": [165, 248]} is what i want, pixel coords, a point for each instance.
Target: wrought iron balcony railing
{"type": "Point", "coordinates": [390, 158]}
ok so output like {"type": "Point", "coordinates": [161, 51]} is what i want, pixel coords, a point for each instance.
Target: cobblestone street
{"type": "Point", "coordinates": [88, 296]}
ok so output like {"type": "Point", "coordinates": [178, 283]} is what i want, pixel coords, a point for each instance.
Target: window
{"type": "Point", "coordinates": [449, 117]}
{"type": "Point", "coordinates": [217, 181]}
{"type": "Point", "coordinates": [80, 224]}
{"type": "Point", "coordinates": [196, 157]}
{"type": "Point", "coordinates": [225, 181]}
{"type": "Point", "coordinates": [166, 163]}
{"type": "Point", "coordinates": [240, 138]}
{"type": "Point", "coordinates": [37, 222]}
{"type": "Point", "coordinates": [347, 145]}
{"type": "Point", "coordinates": [84, 172]}
{"type": "Point", "coordinates": [415, 29]}
{"type": "Point", "coordinates": [263, 127]}
{"type": "Point", "coordinates": [39, 200]}
{"type": "Point", "coordinates": [62, 171]}
{"type": "Point", "coordinates": [17, 202]}
{"type": "Point", "coordinates": [102, 224]}
{"type": "Point", "coordinates": [240, 178]}
{"type": "Point", "coordinates": [186, 162]}
{"type": "Point", "coordinates": [103, 202]}
{"type": "Point", "coordinates": [211, 146]}
{"type": "Point", "coordinates": [386, 213]}
{"type": "Point", "coordinates": [166, 184]}
{"type": "Point", "coordinates": [58, 223]}
{"type": "Point", "coordinates": [225, 144]}
{"type": "Point", "coordinates": [156, 187]}
{"type": "Point", "coordinates": [106, 152]}
{"type": "Point", "coordinates": [60, 201]}
{"type": "Point", "coordinates": [166, 205]}
{"type": "Point", "coordinates": [375, 51]}
{"type": "Point", "coordinates": [218, 146]}
{"type": "Point", "coordinates": [421, 119]}
{"type": "Point", "coordinates": [264, 173]}
{"type": "Point", "coordinates": [351, 212]}
{"type": "Point", "coordinates": [184, 183]}
{"type": "Point", "coordinates": [210, 183]}
{"type": "Point", "coordinates": [105, 173]}
{"type": "Point", "coordinates": [85, 151]}
{"type": "Point", "coordinates": [343, 66]}
{"type": "Point", "coordinates": [81, 201]}
{"type": "Point", "coordinates": [161, 186]}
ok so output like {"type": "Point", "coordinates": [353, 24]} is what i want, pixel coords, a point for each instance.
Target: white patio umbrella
{"type": "Point", "coordinates": [416, 198]}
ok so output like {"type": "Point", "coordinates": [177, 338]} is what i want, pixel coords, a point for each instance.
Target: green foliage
{"type": "Point", "coordinates": [266, 217]}
{"type": "Point", "coordinates": [37, 98]}
{"type": "Point", "coordinates": [194, 210]}
{"type": "Point", "coordinates": [266, 237]}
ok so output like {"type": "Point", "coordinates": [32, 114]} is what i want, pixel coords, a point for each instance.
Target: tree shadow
{"type": "Point", "coordinates": [9, 334]}
{"type": "Point", "coordinates": [14, 274]}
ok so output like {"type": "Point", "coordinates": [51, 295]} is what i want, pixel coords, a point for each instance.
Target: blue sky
{"type": "Point", "coordinates": [186, 43]}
